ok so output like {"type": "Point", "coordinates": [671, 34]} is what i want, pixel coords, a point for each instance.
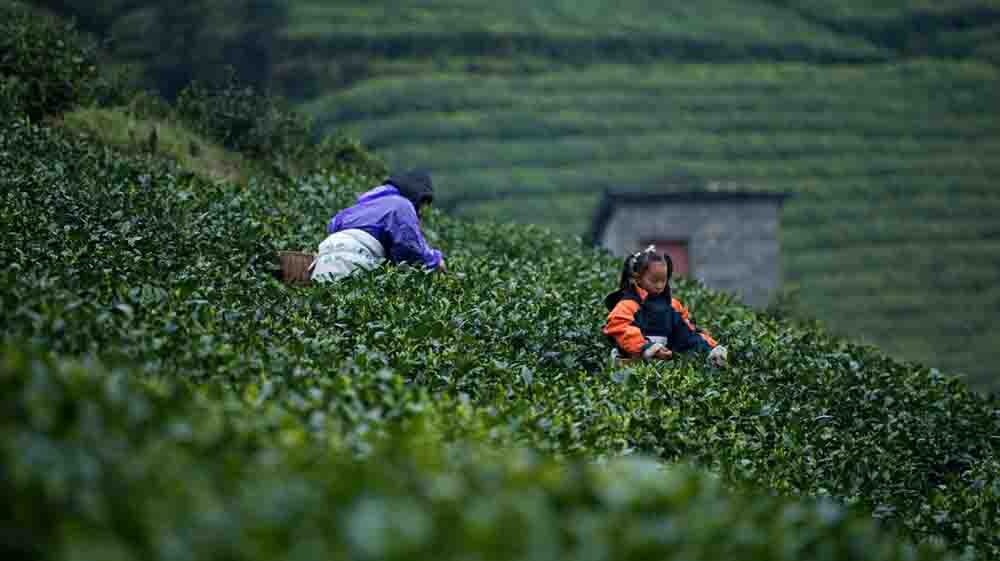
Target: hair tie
{"type": "Point", "coordinates": [649, 249]}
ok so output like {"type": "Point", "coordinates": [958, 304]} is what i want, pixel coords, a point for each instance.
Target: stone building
{"type": "Point", "coordinates": [726, 239]}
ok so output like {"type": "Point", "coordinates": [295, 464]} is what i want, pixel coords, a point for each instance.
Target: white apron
{"type": "Point", "coordinates": [344, 252]}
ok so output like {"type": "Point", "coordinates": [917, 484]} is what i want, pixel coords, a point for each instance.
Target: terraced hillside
{"type": "Point", "coordinates": [558, 27]}
{"type": "Point", "coordinates": [879, 116]}
{"type": "Point", "coordinates": [880, 119]}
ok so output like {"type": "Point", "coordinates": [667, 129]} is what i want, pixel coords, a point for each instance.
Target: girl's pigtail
{"type": "Point", "coordinates": [625, 282]}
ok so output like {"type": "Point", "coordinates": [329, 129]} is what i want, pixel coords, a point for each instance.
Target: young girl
{"type": "Point", "coordinates": [645, 321]}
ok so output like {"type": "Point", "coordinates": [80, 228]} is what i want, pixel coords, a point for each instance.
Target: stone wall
{"type": "Point", "coordinates": [732, 245]}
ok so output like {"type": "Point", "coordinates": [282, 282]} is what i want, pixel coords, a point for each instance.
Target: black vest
{"type": "Point", "coordinates": [655, 316]}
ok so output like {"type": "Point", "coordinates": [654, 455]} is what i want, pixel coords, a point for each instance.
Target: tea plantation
{"type": "Point", "coordinates": [162, 396]}
{"type": "Point", "coordinates": [165, 397]}
{"type": "Point", "coordinates": [879, 117]}
{"type": "Point", "coordinates": [893, 227]}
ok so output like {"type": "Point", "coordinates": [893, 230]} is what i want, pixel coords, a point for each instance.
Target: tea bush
{"type": "Point", "coordinates": [46, 67]}
{"type": "Point", "coordinates": [101, 465]}
{"type": "Point", "coordinates": [172, 44]}
{"type": "Point", "coordinates": [242, 118]}
{"type": "Point", "coordinates": [263, 126]}
{"type": "Point", "coordinates": [120, 258]}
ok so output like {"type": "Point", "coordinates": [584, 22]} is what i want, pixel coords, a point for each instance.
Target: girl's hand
{"type": "Point", "coordinates": [652, 351]}
{"type": "Point", "coordinates": [719, 357]}
{"type": "Point", "coordinates": [664, 354]}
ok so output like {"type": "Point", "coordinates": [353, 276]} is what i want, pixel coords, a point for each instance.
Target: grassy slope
{"type": "Point", "coordinates": [891, 236]}
{"type": "Point", "coordinates": [123, 130]}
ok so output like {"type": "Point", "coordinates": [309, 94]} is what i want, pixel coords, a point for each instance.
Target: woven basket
{"type": "Point", "coordinates": [296, 266]}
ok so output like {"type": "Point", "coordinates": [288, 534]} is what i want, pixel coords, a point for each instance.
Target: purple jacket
{"type": "Point", "coordinates": [392, 220]}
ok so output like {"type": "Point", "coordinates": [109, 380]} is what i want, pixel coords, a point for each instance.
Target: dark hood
{"type": "Point", "coordinates": [612, 300]}
{"type": "Point", "coordinates": [415, 185]}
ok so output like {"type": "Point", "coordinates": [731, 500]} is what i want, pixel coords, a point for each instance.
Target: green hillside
{"type": "Point", "coordinates": [162, 396]}
{"type": "Point", "coordinates": [892, 234]}
{"type": "Point", "coordinates": [880, 118]}
{"type": "Point", "coordinates": [408, 415]}
{"type": "Point", "coordinates": [561, 26]}
{"type": "Point", "coordinates": [230, 408]}
{"type": "Point", "coordinates": [590, 30]}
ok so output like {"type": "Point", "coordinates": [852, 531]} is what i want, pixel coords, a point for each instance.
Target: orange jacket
{"type": "Point", "coordinates": [635, 311]}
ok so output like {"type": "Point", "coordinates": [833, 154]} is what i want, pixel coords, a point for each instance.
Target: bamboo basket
{"type": "Point", "coordinates": [296, 266]}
